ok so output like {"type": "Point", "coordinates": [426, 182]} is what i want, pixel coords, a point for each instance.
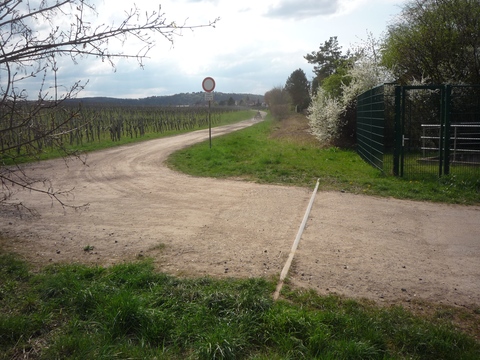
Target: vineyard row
{"type": "Point", "coordinates": [25, 130]}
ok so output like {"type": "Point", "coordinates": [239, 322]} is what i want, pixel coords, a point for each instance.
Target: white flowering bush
{"type": "Point", "coordinates": [365, 74]}
{"type": "Point", "coordinates": [326, 114]}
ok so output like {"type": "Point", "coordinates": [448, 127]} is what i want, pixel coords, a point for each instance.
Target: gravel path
{"type": "Point", "coordinates": [382, 249]}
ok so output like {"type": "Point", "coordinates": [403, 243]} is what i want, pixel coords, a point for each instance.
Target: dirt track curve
{"type": "Point", "coordinates": [383, 249]}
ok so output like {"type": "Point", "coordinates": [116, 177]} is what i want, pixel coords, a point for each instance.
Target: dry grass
{"type": "Point", "coordinates": [295, 128]}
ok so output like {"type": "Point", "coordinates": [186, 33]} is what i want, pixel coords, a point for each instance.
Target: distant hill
{"type": "Point", "coordinates": [183, 99]}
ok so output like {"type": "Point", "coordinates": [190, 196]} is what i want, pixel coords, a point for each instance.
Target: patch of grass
{"type": "Point", "coordinates": [264, 153]}
{"type": "Point", "coordinates": [158, 247]}
{"type": "Point", "coordinates": [130, 311]}
{"type": "Point", "coordinates": [88, 248]}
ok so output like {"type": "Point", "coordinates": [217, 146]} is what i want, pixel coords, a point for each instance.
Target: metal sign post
{"type": "Point", "coordinates": [208, 85]}
{"type": "Point", "coordinates": [209, 124]}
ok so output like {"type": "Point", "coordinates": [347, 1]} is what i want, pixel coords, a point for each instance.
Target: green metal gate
{"type": "Point", "coordinates": [437, 130]}
{"type": "Point", "coordinates": [420, 131]}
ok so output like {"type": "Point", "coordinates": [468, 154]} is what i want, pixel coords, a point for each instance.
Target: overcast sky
{"type": "Point", "coordinates": [254, 47]}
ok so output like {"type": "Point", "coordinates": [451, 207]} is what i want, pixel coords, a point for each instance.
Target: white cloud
{"type": "Point", "coordinates": [246, 52]}
{"type": "Point", "coordinates": [301, 9]}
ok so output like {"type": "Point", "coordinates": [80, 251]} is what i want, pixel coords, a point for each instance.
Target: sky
{"type": "Point", "coordinates": [254, 46]}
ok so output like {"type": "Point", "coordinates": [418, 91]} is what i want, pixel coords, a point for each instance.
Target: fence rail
{"type": "Point", "coordinates": [457, 140]}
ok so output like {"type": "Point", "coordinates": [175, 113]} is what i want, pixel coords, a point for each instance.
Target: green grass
{"type": "Point", "coordinates": [129, 311]}
{"type": "Point", "coordinates": [254, 154]}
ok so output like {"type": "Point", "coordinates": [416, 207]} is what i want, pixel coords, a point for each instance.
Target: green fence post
{"type": "Point", "coordinates": [446, 114]}
{"type": "Point", "coordinates": [441, 142]}
{"type": "Point", "coordinates": [398, 132]}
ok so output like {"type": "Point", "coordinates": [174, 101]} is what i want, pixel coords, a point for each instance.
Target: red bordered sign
{"type": "Point", "coordinates": [208, 84]}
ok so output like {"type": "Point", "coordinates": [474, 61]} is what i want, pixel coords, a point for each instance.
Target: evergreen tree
{"type": "Point", "coordinates": [298, 87]}
{"type": "Point", "coordinates": [326, 60]}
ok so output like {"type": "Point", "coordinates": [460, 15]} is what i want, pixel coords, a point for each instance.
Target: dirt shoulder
{"type": "Point", "coordinates": [385, 250]}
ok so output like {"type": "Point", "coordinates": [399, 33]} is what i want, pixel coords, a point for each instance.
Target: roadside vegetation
{"type": "Point", "coordinates": [283, 152]}
{"type": "Point", "coordinates": [130, 311]}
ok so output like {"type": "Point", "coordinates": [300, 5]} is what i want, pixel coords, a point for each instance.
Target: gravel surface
{"type": "Point", "coordinates": [381, 249]}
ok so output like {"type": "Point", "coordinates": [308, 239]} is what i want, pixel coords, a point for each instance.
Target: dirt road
{"type": "Point", "coordinates": [382, 249]}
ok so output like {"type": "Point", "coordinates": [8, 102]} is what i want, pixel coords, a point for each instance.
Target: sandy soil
{"type": "Point", "coordinates": [381, 249]}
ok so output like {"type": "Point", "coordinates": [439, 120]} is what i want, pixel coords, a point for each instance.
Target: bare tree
{"type": "Point", "coordinates": [34, 36]}
{"type": "Point", "coordinates": [278, 100]}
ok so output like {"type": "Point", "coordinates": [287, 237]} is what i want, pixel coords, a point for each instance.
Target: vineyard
{"type": "Point", "coordinates": [27, 132]}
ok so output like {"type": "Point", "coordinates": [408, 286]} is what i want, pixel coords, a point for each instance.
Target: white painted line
{"type": "Point", "coordinates": [286, 268]}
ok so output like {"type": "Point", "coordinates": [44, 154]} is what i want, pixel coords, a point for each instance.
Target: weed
{"type": "Point", "coordinates": [88, 248]}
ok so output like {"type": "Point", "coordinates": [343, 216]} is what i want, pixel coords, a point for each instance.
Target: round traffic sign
{"type": "Point", "coordinates": [208, 84]}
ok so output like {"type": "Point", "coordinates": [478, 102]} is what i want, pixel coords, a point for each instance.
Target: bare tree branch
{"type": "Point", "coordinates": [33, 34]}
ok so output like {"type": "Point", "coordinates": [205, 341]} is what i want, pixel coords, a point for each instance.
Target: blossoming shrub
{"type": "Point", "coordinates": [324, 115]}
{"type": "Point", "coordinates": [327, 115]}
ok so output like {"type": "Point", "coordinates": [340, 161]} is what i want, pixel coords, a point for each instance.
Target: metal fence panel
{"type": "Point", "coordinates": [463, 137]}
{"type": "Point", "coordinates": [370, 126]}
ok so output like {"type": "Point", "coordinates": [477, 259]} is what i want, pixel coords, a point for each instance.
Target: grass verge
{"type": "Point", "coordinates": [131, 311]}
{"type": "Point", "coordinates": [280, 153]}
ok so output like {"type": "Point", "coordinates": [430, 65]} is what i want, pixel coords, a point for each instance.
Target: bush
{"type": "Point", "coordinates": [325, 117]}
{"type": "Point", "coordinates": [333, 118]}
